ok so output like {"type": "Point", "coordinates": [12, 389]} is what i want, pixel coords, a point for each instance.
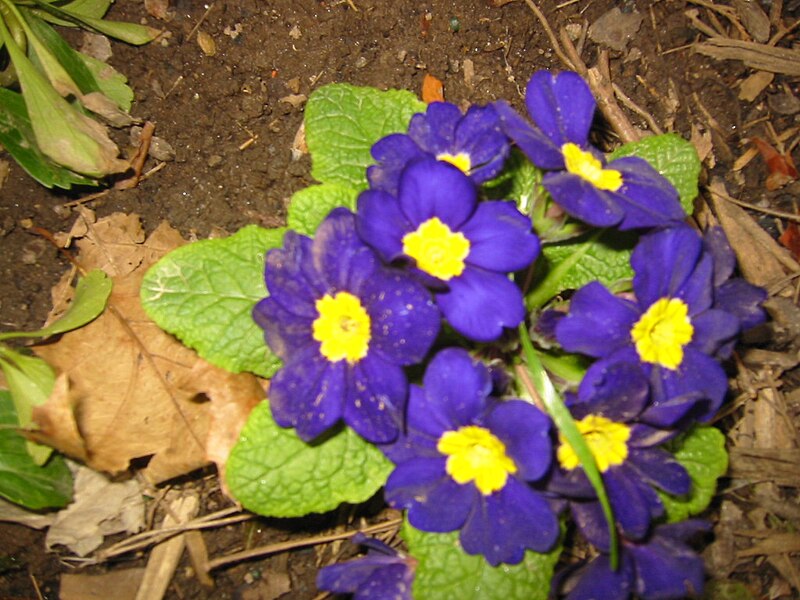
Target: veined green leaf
{"type": "Point", "coordinates": [272, 472]}
{"type": "Point", "coordinates": [445, 572]}
{"type": "Point", "coordinates": [343, 122]}
{"type": "Point", "coordinates": [309, 206]}
{"type": "Point", "coordinates": [702, 453]}
{"type": "Point", "coordinates": [204, 294]}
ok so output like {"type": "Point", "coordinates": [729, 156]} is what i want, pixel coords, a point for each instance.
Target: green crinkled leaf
{"type": "Point", "coordinates": [519, 182]}
{"type": "Point", "coordinates": [21, 480]}
{"type": "Point", "coordinates": [274, 473]}
{"type": "Point", "coordinates": [309, 206]}
{"type": "Point", "coordinates": [574, 263]}
{"type": "Point", "coordinates": [343, 122]}
{"type": "Point", "coordinates": [673, 157]}
{"type": "Point", "coordinates": [702, 452]}
{"type": "Point", "coordinates": [445, 571]}
{"type": "Point", "coordinates": [203, 293]}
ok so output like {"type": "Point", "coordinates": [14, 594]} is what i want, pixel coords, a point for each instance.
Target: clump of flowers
{"type": "Point", "coordinates": [511, 394]}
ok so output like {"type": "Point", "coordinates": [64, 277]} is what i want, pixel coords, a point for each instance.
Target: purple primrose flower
{"type": "Point", "coordinates": [627, 455]}
{"type": "Point", "coordinates": [672, 329]}
{"type": "Point", "coordinates": [473, 142]}
{"type": "Point", "coordinates": [344, 325]}
{"type": "Point", "coordinates": [662, 567]}
{"type": "Point", "coordinates": [627, 193]}
{"type": "Point", "coordinates": [466, 460]}
{"type": "Point", "coordinates": [383, 574]}
{"type": "Point", "coordinates": [462, 248]}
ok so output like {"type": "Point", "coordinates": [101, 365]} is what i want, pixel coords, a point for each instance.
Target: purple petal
{"type": "Point", "coordinates": [504, 524]}
{"type": "Point", "coordinates": [617, 390]}
{"type": "Point", "coordinates": [376, 398]}
{"type": "Point", "coordinates": [308, 394]}
{"type": "Point", "coordinates": [284, 331]}
{"type": "Point", "coordinates": [435, 130]}
{"type": "Point", "coordinates": [664, 261]}
{"type": "Point", "coordinates": [634, 503]}
{"type": "Point", "coordinates": [405, 319]}
{"type": "Point", "coordinates": [455, 390]}
{"type": "Point", "coordinates": [479, 304]}
{"type": "Point", "coordinates": [479, 134]}
{"type": "Point", "coordinates": [659, 467]}
{"type": "Point", "coordinates": [582, 200]}
{"type": "Point", "coordinates": [598, 581]}
{"type": "Point", "coordinates": [381, 223]}
{"type": "Point", "coordinates": [432, 188]}
{"type": "Point", "coordinates": [290, 278]}
{"type": "Point", "coordinates": [713, 329]}
{"type": "Point", "coordinates": [598, 322]}
{"type": "Point", "coordinates": [667, 569]}
{"type": "Point", "coordinates": [500, 238]}
{"type": "Point", "coordinates": [716, 244]}
{"type": "Point", "coordinates": [562, 106]}
{"type": "Point", "coordinates": [339, 253]}
{"type": "Point", "coordinates": [646, 197]}
{"type": "Point", "coordinates": [434, 501]}
{"type": "Point", "coordinates": [698, 373]}
{"type": "Point", "coordinates": [393, 153]}
{"type": "Point", "coordinates": [743, 300]}
{"type": "Point", "coordinates": [534, 144]}
{"type": "Point", "coordinates": [525, 432]}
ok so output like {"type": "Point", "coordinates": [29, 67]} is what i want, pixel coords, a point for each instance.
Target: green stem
{"type": "Point", "coordinates": [569, 431]}
{"type": "Point", "coordinates": [551, 285]}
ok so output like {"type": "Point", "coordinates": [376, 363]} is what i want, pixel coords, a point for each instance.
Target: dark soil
{"type": "Point", "coordinates": [231, 122]}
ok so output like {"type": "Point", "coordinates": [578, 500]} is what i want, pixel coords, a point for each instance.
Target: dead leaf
{"type": "Point", "coordinates": [753, 85]}
{"type": "Point", "coordinates": [159, 9]}
{"type": "Point", "coordinates": [781, 166]}
{"type": "Point", "coordinates": [127, 389]}
{"type": "Point", "coordinates": [790, 238]}
{"type": "Point", "coordinates": [100, 507]}
{"type": "Point", "coordinates": [83, 586]}
{"type": "Point", "coordinates": [165, 556]}
{"type": "Point", "coordinates": [432, 89]}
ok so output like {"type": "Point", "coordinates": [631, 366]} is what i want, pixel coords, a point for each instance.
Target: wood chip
{"type": "Point", "coordinates": [754, 55]}
{"type": "Point", "coordinates": [754, 85]}
{"type": "Point", "coordinates": [778, 465]}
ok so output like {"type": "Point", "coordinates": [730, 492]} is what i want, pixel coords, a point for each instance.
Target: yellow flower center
{"type": "Point", "coordinates": [585, 165]}
{"type": "Point", "coordinates": [342, 328]}
{"type": "Point", "coordinates": [437, 250]}
{"type": "Point", "coordinates": [475, 454]}
{"type": "Point", "coordinates": [662, 332]}
{"type": "Point", "coordinates": [460, 160]}
{"type": "Point", "coordinates": [606, 439]}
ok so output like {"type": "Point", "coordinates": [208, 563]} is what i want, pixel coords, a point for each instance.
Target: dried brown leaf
{"type": "Point", "coordinates": [127, 389]}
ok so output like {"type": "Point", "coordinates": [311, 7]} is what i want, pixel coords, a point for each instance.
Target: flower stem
{"type": "Point", "coordinates": [544, 389]}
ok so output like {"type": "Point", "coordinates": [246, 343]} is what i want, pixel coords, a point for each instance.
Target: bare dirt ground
{"type": "Point", "coordinates": [231, 113]}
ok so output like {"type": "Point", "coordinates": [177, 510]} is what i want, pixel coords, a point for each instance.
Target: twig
{"type": "Point", "coordinates": [549, 31]}
{"type": "Point", "coordinates": [226, 516]}
{"type": "Point", "coordinates": [767, 211]}
{"type": "Point", "coordinates": [292, 544]}
{"type": "Point", "coordinates": [200, 22]}
{"type": "Point", "coordinates": [651, 122]}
